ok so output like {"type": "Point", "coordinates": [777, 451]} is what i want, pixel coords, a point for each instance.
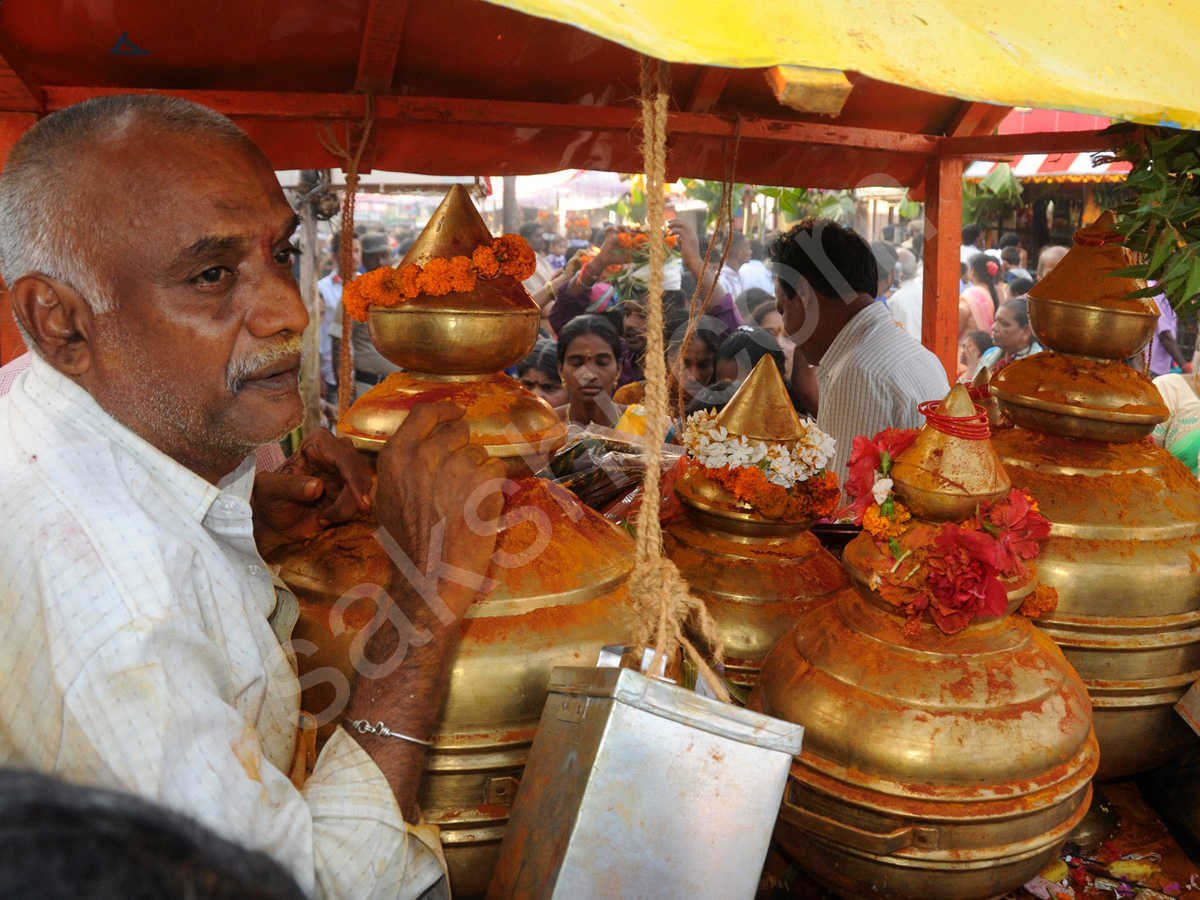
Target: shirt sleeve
{"type": "Point", "coordinates": [567, 307]}
{"type": "Point", "coordinates": [726, 310]}
{"type": "Point", "coordinates": [138, 694]}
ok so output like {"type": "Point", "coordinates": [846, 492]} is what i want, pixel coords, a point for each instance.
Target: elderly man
{"type": "Point", "coordinates": [870, 375]}
{"type": "Point", "coordinates": [147, 248]}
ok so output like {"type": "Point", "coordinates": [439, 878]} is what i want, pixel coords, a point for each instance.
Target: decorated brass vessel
{"type": "Point", "coordinates": [935, 766]}
{"type": "Point", "coordinates": [1124, 550]}
{"type": "Point", "coordinates": [561, 568]}
{"type": "Point", "coordinates": [757, 577]}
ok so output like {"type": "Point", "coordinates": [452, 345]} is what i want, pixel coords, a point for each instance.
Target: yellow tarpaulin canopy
{"type": "Point", "coordinates": [1129, 59]}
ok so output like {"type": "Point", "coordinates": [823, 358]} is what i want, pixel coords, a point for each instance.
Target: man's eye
{"type": "Point", "coordinates": [288, 255]}
{"type": "Point", "coordinates": [212, 276]}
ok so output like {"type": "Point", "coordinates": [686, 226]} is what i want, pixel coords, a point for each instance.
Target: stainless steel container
{"type": "Point", "coordinates": [639, 789]}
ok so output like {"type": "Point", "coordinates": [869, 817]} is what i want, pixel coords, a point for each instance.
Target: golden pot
{"type": "Point", "coordinates": [1089, 329]}
{"type": "Point", "coordinates": [941, 477]}
{"type": "Point", "coordinates": [938, 767]}
{"type": "Point", "coordinates": [1124, 556]}
{"type": "Point", "coordinates": [513, 424]}
{"type": "Point", "coordinates": [1078, 397]}
{"type": "Point", "coordinates": [438, 336]}
{"type": "Point", "coordinates": [755, 588]}
{"type": "Point", "coordinates": [558, 608]}
{"type": "Point", "coordinates": [709, 504]}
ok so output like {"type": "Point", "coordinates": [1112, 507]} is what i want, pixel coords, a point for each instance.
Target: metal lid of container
{"type": "Point", "coordinates": [679, 705]}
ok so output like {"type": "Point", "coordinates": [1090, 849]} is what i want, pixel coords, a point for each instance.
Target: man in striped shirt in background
{"type": "Point", "coordinates": [869, 374]}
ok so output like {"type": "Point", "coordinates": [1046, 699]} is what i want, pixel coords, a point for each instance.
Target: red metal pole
{"type": "Point", "coordinates": [943, 236]}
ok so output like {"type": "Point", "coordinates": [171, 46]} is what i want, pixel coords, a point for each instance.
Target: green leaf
{"type": "Point", "coordinates": [1193, 281]}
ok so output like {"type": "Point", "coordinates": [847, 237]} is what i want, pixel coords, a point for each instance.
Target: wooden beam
{"type": "Point", "coordinates": [380, 45]}
{"type": "Point", "coordinates": [1003, 145]}
{"type": "Point", "coordinates": [976, 119]}
{"type": "Point", "coordinates": [707, 90]}
{"type": "Point", "coordinates": [468, 112]}
{"type": "Point", "coordinates": [19, 92]}
{"type": "Point", "coordinates": [943, 236]}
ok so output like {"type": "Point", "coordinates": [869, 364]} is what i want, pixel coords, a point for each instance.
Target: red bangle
{"type": "Point", "coordinates": [972, 428]}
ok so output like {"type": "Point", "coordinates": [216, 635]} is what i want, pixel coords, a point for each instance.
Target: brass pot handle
{"type": "Point", "coordinates": [866, 841]}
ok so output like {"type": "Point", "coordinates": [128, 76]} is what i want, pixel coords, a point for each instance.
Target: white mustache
{"type": "Point", "coordinates": [239, 371]}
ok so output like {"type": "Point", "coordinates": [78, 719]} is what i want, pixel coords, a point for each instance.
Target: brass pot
{"type": "Point", "coordinates": [558, 608]}
{"type": "Point", "coordinates": [1078, 397]}
{"type": "Point", "coordinates": [938, 766]}
{"type": "Point", "coordinates": [709, 504]}
{"type": "Point", "coordinates": [513, 424]}
{"type": "Point", "coordinates": [1090, 330]}
{"type": "Point", "coordinates": [1124, 556]}
{"type": "Point", "coordinates": [458, 334]}
{"type": "Point", "coordinates": [755, 588]}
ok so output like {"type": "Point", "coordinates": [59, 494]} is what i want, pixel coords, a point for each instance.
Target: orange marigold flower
{"type": "Point", "coordinates": [1044, 599]}
{"type": "Point", "coordinates": [672, 241]}
{"type": "Point", "coordinates": [516, 257]}
{"type": "Point", "coordinates": [370, 289]}
{"type": "Point", "coordinates": [485, 262]}
{"type": "Point", "coordinates": [462, 275]}
{"type": "Point", "coordinates": [625, 239]}
{"type": "Point", "coordinates": [886, 527]}
{"type": "Point", "coordinates": [408, 281]}
{"type": "Point", "coordinates": [434, 279]}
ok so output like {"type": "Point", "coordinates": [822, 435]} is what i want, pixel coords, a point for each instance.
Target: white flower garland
{"type": "Point", "coordinates": [712, 446]}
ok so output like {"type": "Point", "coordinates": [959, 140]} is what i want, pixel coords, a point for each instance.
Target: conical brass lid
{"type": "Point", "coordinates": [1082, 276]}
{"type": "Point", "coordinates": [455, 229]}
{"type": "Point", "coordinates": [941, 477]}
{"type": "Point", "coordinates": [761, 409]}
{"type": "Point", "coordinates": [477, 332]}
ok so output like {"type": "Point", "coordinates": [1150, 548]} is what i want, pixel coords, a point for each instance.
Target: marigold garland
{"type": "Point", "coordinates": [508, 254]}
{"type": "Point", "coordinates": [812, 499]}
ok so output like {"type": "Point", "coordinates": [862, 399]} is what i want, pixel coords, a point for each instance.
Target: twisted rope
{"type": "Point", "coordinates": [660, 595]}
{"type": "Point", "coordinates": [351, 155]}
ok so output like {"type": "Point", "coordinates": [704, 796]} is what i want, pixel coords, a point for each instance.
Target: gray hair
{"type": "Point", "coordinates": [42, 228]}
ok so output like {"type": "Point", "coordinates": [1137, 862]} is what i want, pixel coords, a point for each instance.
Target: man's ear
{"type": "Point", "coordinates": [57, 320]}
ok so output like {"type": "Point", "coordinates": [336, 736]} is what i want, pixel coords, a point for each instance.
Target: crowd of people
{"type": "Point", "coordinates": [723, 311]}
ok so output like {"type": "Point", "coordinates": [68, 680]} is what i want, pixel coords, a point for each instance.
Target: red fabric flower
{"type": "Point", "coordinates": [865, 460]}
{"type": "Point", "coordinates": [1016, 528]}
{"type": "Point", "coordinates": [962, 585]}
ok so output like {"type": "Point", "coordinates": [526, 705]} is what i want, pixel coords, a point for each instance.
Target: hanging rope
{"type": "Point", "coordinates": [350, 153]}
{"type": "Point", "coordinates": [660, 594]}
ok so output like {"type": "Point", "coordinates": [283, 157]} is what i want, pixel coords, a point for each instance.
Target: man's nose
{"type": "Point", "coordinates": [278, 306]}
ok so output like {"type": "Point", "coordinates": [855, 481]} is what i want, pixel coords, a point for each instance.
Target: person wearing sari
{"type": "Point", "coordinates": [979, 301]}
{"type": "Point", "coordinates": [1180, 434]}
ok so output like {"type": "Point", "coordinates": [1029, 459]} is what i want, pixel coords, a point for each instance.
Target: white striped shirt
{"type": "Point", "coordinates": [138, 656]}
{"type": "Point", "coordinates": [872, 377]}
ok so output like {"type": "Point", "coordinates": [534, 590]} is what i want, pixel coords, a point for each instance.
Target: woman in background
{"type": "Point", "coordinates": [589, 363]}
{"type": "Point", "coordinates": [982, 297]}
{"type": "Point", "coordinates": [538, 373]}
{"type": "Point", "coordinates": [1180, 434]}
{"type": "Point", "coordinates": [1012, 336]}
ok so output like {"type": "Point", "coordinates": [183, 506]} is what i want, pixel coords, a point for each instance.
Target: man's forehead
{"type": "Point", "coordinates": [180, 188]}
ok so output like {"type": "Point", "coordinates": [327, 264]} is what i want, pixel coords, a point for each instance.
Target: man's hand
{"type": "Point", "coordinates": [689, 244]}
{"type": "Point", "coordinates": [325, 482]}
{"type": "Point", "coordinates": [429, 473]}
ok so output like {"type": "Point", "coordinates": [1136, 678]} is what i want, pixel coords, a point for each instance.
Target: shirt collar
{"type": "Point", "coordinates": [850, 336]}
{"type": "Point", "coordinates": [63, 399]}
